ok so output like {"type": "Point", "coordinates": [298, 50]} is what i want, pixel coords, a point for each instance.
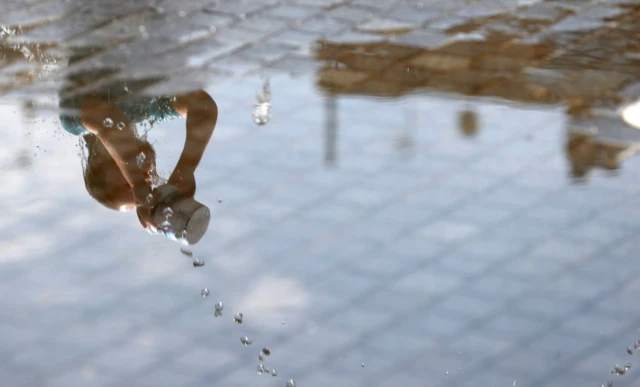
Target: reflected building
{"type": "Point", "coordinates": [544, 54]}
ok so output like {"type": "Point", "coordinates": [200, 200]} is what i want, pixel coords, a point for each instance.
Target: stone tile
{"type": "Point", "coordinates": [432, 323]}
{"type": "Point", "coordinates": [577, 378]}
{"type": "Point", "coordinates": [450, 231]}
{"type": "Point", "coordinates": [82, 376]}
{"type": "Point", "coordinates": [323, 340]}
{"type": "Point", "coordinates": [428, 283]}
{"type": "Point", "coordinates": [357, 319]}
{"type": "Point", "coordinates": [534, 269]}
{"type": "Point", "coordinates": [263, 24]}
{"type": "Point", "coordinates": [125, 358]}
{"type": "Point", "coordinates": [98, 334]}
{"type": "Point", "coordinates": [397, 344]}
{"type": "Point", "coordinates": [513, 327]}
{"type": "Point", "coordinates": [354, 14]}
{"type": "Point", "coordinates": [293, 12]}
{"type": "Point", "coordinates": [267, 52]}
{"type": "Point", "coordinates": [324, 25]}
{"type": "Point", "coordinates": [294, 38]}
{"type": "Point", "coordinates": [480, 213]}
{"type": "Point", "coordinates": [171, 374]}
{"type": "Point", "coordinates": [17, 338]}
{"type": "Point", "coordinates": [470, 307]}
{"type": "Point", "coordinates": [474, 348]}
{"type": "Point", "coordinates": [344, 286]}
{"type": "Point", "coordinates": [294, 65]}
{"type": "Point", "coordinates": [189, 362]}
{"type": "Point", "coordinates": [236, 8]}
{"type": "Point", "coordinates": [493, 377]}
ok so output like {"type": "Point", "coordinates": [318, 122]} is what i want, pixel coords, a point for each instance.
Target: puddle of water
{"type": "Point", "coordinates": [399, 147]}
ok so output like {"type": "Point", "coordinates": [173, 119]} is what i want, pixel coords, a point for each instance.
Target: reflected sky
{"type": "Point", "coordinates": [470, 221]}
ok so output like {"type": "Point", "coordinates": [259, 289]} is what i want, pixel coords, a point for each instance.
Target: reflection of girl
{"type": "Point", "coordinates": [120, 167]}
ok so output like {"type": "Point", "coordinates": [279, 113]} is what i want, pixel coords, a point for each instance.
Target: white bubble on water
{"type": "Point", "coordinates": [238, 318]}
{"type": "Point", "coordinates": [260, 369]}
{"type": "Point", "coordinates": [246, 340]}
{"type": "Point", "coordinates": [121, 125]}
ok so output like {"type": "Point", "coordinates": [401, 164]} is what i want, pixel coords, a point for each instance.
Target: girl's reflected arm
{"type": "Point", "coordinates": [202, 115]}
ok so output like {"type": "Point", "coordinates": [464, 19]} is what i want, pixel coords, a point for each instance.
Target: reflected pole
{"type": "Point", "coordinates": [331, 130]}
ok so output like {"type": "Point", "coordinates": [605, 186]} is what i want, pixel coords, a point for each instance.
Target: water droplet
{"type": "Point", "coordinates": [274, 373]}
{"type": "Point", "coordinates": [266, 351]}
{"type": "Point", "coordinates": [515, 382]}
{"type": "Point", "coordinates": [186, 251]}
{"type": "Point", "coordinates": [630, 351]}
{"type": "Point", "coordinates": [283, 322]}
{"type": "Point", "coordinates": [242, 16]}
{"type": "Point", "coordinates": [198, 263]}
{"type": "Point", "coordinates": [238, 318]}
{"type": "Point", "coordinates": [246, 340]}
{"type": "Point", "coordinates": [121, 126]}
{"type": "Point", "coordinates": [219, 308]}
{"type": "Point", "coordinates": [617, 370]}
{"type": "Point", "coordinates": [182, 14]}
{"type": "Point", "coordinates": [149, 198]}
{"type": "Point", "coordinates": [165, 226]}
{"type": "Point", "coordinates": [290, 383]}
{"type": "Point", "coordinates": [260, 369]}
{"type": "Point", "coordinates": [362, 365]}
{"type": "Point", "coordinates": [126, 89]}
{"type": "Point", "coordinates": [262, 113]}
{"type": "Point", "coordinates": [108, 123]}
{"type": "Point", "coordinates": [167, 212]}
{"type": "Point", "coordinates": [140, 159]}
{"type": "Point", "coordinates": [637, 345]}
{"type": "Point", "coordinates": [219, 200]}
{"type": "Point", "coordinates": [204, 292]}
{"type": "Point", "coordinates": [260, 356]}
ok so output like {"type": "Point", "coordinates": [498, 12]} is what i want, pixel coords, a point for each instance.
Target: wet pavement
{"type": "Point", "coordinates": [394, 193]}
